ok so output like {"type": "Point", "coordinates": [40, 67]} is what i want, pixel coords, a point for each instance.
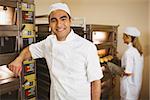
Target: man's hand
{"type": "Point", "coordinates": [16, 66]}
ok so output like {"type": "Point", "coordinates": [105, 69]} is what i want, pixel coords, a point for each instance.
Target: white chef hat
{"type": "Point", "coordinates": [59, 6]}
{"type": "Point", "coordinates": [132, 31]}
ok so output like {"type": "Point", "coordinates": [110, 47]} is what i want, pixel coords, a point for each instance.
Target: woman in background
{"type": "Point", "coordinates": [132, 62]}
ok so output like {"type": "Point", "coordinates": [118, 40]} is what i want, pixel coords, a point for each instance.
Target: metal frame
{"type": "Point", "coordinates": [112, 31]}
{"type": "Point", "coordinates": [14, 30]}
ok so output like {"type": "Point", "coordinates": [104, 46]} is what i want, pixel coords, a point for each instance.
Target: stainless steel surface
{"type": "Point", "coordinates": [11, 3]}
{"type": "Point", "coordinates": [8, 30]}
{"type": "Point", "coordinates": [5, 72]}
{"type": "Point", "coordinates": [8, 82]}
{"type": "Point", "coordinates": [7, 58]}
{"type": "Point", "coordinates": [8, 85]}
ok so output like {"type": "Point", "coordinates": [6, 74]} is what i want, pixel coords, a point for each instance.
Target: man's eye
{"type": "Point", "coordinates": [53, 20]}
{"type": "Point", "coordinates": [63, 19]}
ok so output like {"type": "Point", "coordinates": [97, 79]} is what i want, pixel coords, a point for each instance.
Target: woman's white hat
{"type": "Point", "coordinates": [132, 31]}
{"type": "Point", "coordinates": [59, 6]}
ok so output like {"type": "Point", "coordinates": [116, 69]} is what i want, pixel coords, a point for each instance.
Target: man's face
{"type": "Point", "coordinates": [59, 22]}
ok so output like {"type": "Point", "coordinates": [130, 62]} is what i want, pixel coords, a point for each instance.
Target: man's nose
{"type": "Point", "coordinates": [59, 23]}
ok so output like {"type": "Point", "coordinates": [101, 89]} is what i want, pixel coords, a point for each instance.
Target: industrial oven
{"type": "Point", "coordinates": [8, 31]}
{"type": "Point", "coordinates": [16, 32]}
{"type": "Point", "coordinates": [105, 39]}
{"type": "Point", "coordinates": [8, 47]}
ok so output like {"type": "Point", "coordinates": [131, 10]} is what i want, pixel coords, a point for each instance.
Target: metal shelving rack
{"type": "Point", "coordinates": [22, 30]}
{"type": "Point", "coordinates": [9, 46]}
{"type": "Point", "coordinates": [10, 31]}
{"type": "Point", "coordinates": [27, 21]}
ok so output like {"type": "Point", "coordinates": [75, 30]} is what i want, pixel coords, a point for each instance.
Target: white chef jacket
{"type": "Point", "coordinates": [72, 64]}
{"type": "Point", "coordinates": [132, 61]}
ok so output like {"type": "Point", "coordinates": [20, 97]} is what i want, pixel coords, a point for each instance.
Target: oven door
{"type": "Point", "coordinates": [8, 44]}
{"type": "Point", "coordinates": [8, 49]}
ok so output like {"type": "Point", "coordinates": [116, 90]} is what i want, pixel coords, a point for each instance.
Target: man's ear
{"type": "Point", "coordinates": [70, 21]}
{"type": "Point", "coordinates": [49, 29]}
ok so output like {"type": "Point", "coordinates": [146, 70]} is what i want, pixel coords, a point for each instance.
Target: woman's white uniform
{"type": "Point", "coordinates": [132, 61]}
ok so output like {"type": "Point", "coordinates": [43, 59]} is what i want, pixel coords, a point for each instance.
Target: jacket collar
{"type": "Point", "coordinates": [70, 36]}
{"type": "Point", "coordinates": [130, 45]}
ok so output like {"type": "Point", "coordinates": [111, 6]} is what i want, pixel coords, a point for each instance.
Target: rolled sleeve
{"type": "Point", "coordinates": [37, 50]}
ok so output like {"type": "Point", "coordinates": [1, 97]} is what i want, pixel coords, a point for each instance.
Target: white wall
{"type": "Point", "coordinates": [112, 12]}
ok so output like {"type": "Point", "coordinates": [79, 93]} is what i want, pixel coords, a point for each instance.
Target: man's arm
{"type": "Point", "coordinates": [16, 65]}
{"type": "Point", "coordinates": [96, 90]}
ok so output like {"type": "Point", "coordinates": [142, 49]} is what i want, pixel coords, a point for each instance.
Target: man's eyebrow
{"type": "Point", "coordinates": [52, 18]}
{"type": "Point", "coordinates": [63, 17]}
